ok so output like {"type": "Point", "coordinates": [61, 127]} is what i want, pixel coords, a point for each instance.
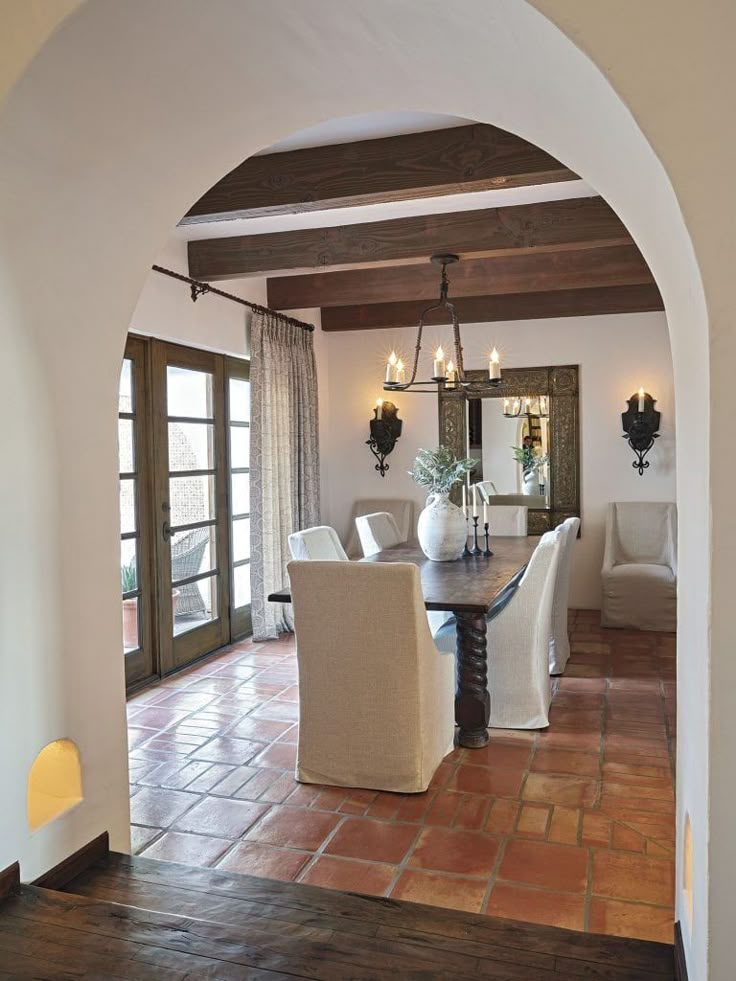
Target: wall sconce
{"type": "Point", "coordinates": [641, 422]}
{"type": "Point", "coordinates": [385, 430]}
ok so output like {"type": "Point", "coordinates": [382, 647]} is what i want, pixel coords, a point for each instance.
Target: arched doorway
{"type": "Point", "coordinates": [94, 173]}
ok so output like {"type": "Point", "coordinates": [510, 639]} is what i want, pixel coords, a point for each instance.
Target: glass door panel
{"type": "Point", "coordinates": [238, 404]}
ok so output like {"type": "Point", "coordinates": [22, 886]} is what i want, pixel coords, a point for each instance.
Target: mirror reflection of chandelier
{"type": "Point", "coordinates": [527, 405]}
{"type": "Point", "coordinates": [449, 374]}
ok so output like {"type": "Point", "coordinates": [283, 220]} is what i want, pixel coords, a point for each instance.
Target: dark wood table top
{"type": "Point", "coordinates": [464, 586]}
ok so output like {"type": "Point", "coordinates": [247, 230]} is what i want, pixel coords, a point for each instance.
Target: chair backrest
{"type": "Point", "coordinates": [560, 644]}
{"type": "Point", "coordinates": [486, 489]}
{"type": "Point", "coordinates": [377, 531]}
{"type": "Point", "coordinates": [532, 604]}
{"type": "Point", "coordinates": [401, 509]}
{"type": "Point", "coordinates": [641, 532]}
{"type": "Point", "coordinates": [507, 519]}
{"type": "Point", "coordinates": [187, 551]}
{"type": "Point", "coordinates": [317, 544]}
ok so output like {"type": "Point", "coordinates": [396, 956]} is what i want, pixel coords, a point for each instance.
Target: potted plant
{"type": "Point", "coordinates": [129, 582]}
{"type": "Point", "coordinates": [442, 530]}
{"type": "Point", "coordinates": [531, 462]}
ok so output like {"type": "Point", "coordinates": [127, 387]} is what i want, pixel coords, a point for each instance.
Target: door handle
{"type": "Point", "coordinates": [166, 531]}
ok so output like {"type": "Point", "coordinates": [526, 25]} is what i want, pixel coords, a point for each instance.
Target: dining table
{"type": "Point", "coordinates": [470, 589]}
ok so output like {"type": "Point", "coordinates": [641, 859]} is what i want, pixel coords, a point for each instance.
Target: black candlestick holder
{"type": "Point", "coordinates": [488, 553]}
{"type": "Point", "coordinates": [476, 549]}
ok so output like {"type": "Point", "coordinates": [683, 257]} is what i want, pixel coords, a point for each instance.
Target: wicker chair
{"type": "Point", "coordinates": [186, 559]}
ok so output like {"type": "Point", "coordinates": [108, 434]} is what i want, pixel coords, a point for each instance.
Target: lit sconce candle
{"type": "Point", "coordinates": [379, 407]}
{"type": "Point", "coordinates": [439, 363]}
{"type": "Point", "coordinates": [400, 372]}
{"type": "Point", "coordinates": [494, 366]}
{"type": "Point", "coordinates": [391, 367]}
{"type": "Point", "coordinates": [641, 400]}
{"type": "Point", "coordinates": [451, 373]}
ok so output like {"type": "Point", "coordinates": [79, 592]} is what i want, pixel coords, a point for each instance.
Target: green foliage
{"type": "Point", "coordinates": [439, 470]}
{"type": "Point", "coordinates": [129, 577]}
{"type": "Point", "coordinates": [529, 460]}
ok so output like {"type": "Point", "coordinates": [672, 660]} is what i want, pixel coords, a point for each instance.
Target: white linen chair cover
{"type": "Point", "coordinates": [321, 543]}
{"type": "Point", "coordinates": [401, 509]}
{"type": "Point", "coordinates": [640, 566]}
{"type": "Point", "coordinates": [559, 645]}
{"type": "Point", "coordinates": [376, 697]}
{"type": "Point", "coordinates": [486, 489]}
{"type": "Point", "coordinates": [506, 519]}
{"type": "Point", "coordinates": [518, 645]}
{"type": "Point", "coordinates": [377, 531]}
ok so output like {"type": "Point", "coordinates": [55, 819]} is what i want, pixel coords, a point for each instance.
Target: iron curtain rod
{"type": "Point", "coordinates": [199, 288]}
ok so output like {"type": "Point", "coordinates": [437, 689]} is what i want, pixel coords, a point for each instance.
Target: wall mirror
{"type": "Point", "coordinates": [524, 435]}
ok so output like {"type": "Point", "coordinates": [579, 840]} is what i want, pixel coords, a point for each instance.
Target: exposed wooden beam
{"type": "Point", "coordinates": [548, 226]}
{"type": "Point", "coordinates": [395, 168]}
{"type": "Point", "coordinates": [618, 265]}
{"type": "Point", "coordinates": [509, 306]}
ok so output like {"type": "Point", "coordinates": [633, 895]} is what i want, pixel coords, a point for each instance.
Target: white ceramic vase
{"type": "Point", "coordinates": [530, 482]}
{"type": "Point", "coordinates": [442, 530]}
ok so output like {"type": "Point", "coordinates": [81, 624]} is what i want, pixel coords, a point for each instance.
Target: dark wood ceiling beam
{"type": "Point", "coordinates": [510, 306]}
{"type": "Point", "coordinates": [547, 226]}
{"type": "Point", "coordinates": [620, 265]}
{"type": "Point", "coordinates": [394, 168]}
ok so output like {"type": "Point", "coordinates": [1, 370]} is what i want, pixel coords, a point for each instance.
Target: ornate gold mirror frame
{"type": "Point", "coordinates": [561, 383]}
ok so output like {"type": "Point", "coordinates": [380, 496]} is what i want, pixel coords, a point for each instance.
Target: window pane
{"type": "Point", "coordinates": [125, 398]}
{"type": "Point", "coordinates": [241, 586]}
{"type": "Point", "coordinates": [125, 445]}
{"type": "Point", "coordinates": [239, 446]}
{"type": "Point", "coordinates": [239, 400]}
{"type": "Point", "coordinates": [191, 446]}
{"type": "Point", "coordinates": [128, 565]}
{"type": "Point", "coordinates": [192, 499]}
{"type": "Point", "coordinates": [194, 604]}
{"type": "Point", "coordinates": [127, 506]}
{"type": "Point", "coordinates": [189, 393]}
{"type": "Point", "coordinates": [192, 552]}
{"type": "Point", "coordinates": [241, 539]}
{"type": "Point", "coordinates": [241, 493]}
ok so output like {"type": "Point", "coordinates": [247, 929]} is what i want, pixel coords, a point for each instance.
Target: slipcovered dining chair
{"type": "Point", "coordinates": [507, 519]}
{"type": "Point", "coordinates": [321, 543]}
{"type": "Point", "coordinates": [640, 566]}
{"type": "Point", "coordinates": [377, 531]}
{"type": "Point", "coordinates": [559, 644]}
{"type": "Point", "coordinates": [486, 489]}
{"type": "Point", "coordinates": [518, 644]}
{"type": "Point", "coordinates": [376, 707]}
{"type": "Point", "coordinates": [401, 509]}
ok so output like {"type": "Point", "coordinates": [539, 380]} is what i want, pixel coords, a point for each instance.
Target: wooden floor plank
{"type": "Point", "coordinates": [348, 911]}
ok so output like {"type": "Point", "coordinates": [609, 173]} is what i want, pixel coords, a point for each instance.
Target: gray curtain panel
{"type": "Point", "coordinates": [284, 459]}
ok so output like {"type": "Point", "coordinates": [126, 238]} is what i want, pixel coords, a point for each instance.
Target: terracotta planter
{"type": "Point", "coordinates": [130, 623]}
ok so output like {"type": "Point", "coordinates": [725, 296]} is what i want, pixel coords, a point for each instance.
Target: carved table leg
{"type": "Point", "coordinates": [472, 701]}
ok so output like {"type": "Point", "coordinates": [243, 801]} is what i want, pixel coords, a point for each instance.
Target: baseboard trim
{"type": "Point", "coordinates": [680, 962]}
{"type": "Point", "coordinates": [75, 864]}
{"type": "Point", "coordinates": [10, 881]}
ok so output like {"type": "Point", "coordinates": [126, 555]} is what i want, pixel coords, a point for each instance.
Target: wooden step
{"type": "Point", "coordinates": [307, 929]}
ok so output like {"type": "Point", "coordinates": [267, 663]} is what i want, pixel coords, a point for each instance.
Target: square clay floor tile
{"type": "Point", "coordinates": [555, 788]}
{"type": "Point", "coordinates": [515, 757]}
{"type": "Point", "coordinates": [632, 920]}
{"type": "Point", "coordinates": [373, 841]}
{"type": "Point", "coordinates": [566, 761]}
{"type": "Point", "coordinates": [226, 749]}
{"type": "Point", "coordinates": [282, 756]}
{"type": "Point", "coordinates": [539, 863]}
{"type": "Point", "coordinates": [281, 711]}
{"type": "Point", "coordinates": [537, 906]}
{"type": "Point", "coordinates": [294, 827]}
{"type": "Point", "coordinates": [267, 861]}
{"type": "Point", "coordinates": [140, 837]}
{"type": "Point", "coordinates": [187, 849]}
{"type": "Point", "coordinates": [462, 852]}
{"type": "Point", "coordinates": [262, 730]}
{"type": "Point", "coordinates": [222, 817]}
{"type": "Point", "coordinates": [369, 878]}
{"type": "Point", "coordinates": [619, 875]}
{"type": "Point", "coordinates": [436, 889]}
{"type": "Point", "coordinates": [160, 808]}
{"type": "Point", "coordinates": [487, 780]}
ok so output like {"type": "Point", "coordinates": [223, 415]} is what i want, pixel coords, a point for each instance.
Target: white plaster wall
{"type": "Point", "coordinates": [616, 355]}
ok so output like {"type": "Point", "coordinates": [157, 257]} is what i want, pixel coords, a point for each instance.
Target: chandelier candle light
{"type": "Point", "coordinates": [445, 373]}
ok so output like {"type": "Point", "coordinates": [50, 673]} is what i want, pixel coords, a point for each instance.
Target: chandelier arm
{"type": "Point", "coordinates": [458, 342]}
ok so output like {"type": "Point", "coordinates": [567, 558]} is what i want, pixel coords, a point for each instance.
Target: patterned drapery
{"type": "Point", "coordinates": [284, 459]}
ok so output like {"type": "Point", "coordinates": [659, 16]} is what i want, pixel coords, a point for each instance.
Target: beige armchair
{"type": "Point", "coordinates": [640, 566]}
{"type": "Point", "coordinates": [376, 697]}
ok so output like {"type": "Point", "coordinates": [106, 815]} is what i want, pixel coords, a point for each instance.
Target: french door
{"type": "Point", "coordinates": [185, 521]}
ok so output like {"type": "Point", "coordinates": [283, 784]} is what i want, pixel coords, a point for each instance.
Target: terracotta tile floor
{"type": "Point", "coordinates": [572, 826]}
